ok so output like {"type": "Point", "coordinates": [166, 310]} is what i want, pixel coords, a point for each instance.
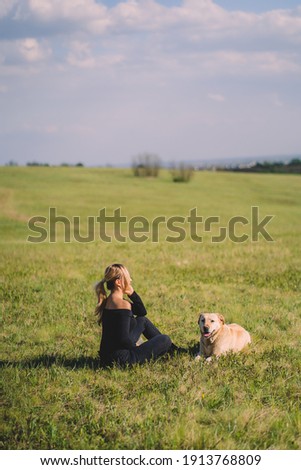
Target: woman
{"type": "Point", "coordinates": [123, 322]}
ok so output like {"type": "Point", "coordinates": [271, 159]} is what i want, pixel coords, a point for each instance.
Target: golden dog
{"type": "Point", "coordinates": [217, 338]}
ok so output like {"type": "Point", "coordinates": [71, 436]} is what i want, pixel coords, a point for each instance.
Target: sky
{"type": "Point", "coordinates": [100, 82]}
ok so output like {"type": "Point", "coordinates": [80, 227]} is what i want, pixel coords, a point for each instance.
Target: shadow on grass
{"type": "Point", "coordinates": [81, 362]}
{"type": "Point", "coordinates": [191, 351]}
{"type": "Point", "coordinates": [47, 361]}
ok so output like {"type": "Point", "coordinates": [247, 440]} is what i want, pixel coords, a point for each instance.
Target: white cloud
{"type": "Point", "coordinates": [146, 15]}
{"type": "Point", "coordinates": [285, 22]}
{"type": "Point", "coordinates": [216, 97]}
{"type": "Point", "coordinates": [196, 38]}
{"type": "Point", "coordinates": [33, 51]}
{"type": "Point", "coordinates": [44, 129]}
{"type": "Point", "coordinates": [51, 129]}
{"type": "Point", "coordinates": [6, 6]}
{"type": "Point", "coordinates": [80, 129]}
{"type": "Point", "coordinates": [278, 63]}
{"type": "Point", "coordinates": [17, 57]}
{"type": "Point", "coordinates": [80, 55]}
{"type": "Point", "coordinates": [197, 18]}
{"type": "Point", "coordinates": [48, 10]}
{"type": "Point", "coordinates": [83, 14]}
{"type": "Point", "coordinates": [234, 63]}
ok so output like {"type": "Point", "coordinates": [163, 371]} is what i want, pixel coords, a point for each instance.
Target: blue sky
{"type": "Point", "coordinates": [246, 5]}
{"type": "Point", "coordinates": [100, 82]}
{"type": "Point", "coordinates": [257, 5]}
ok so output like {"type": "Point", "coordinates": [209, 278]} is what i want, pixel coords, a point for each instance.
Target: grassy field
{"type": "Point", "coordinates": [54, 395]}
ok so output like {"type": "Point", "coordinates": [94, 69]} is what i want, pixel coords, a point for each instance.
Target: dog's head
{"type": "Point", "coordinates": [210, 323]}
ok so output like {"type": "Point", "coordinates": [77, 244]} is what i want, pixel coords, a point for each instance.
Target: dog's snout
{"type": "Point", "coordinates": [206, 329]}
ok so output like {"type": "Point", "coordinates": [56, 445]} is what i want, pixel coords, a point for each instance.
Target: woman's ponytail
{"type": "Point", "coordinates": [101, 297]}
{"type": "Point", "coordinates": [112, 272]}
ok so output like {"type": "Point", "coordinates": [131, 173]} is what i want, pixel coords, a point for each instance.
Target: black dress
{"type": "Point", "coordinates": [121, 329]}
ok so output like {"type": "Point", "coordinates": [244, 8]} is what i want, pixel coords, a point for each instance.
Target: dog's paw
{"type": "Point", "coordinates": [208, 360]}
{"type": "Point", "coordinates": [197, 357]}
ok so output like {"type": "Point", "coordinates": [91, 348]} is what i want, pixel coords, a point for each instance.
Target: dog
{"type": "Point", "coordinates": [217, 338]}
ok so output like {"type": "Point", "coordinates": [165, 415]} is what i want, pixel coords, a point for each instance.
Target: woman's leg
{"type": "Point", "coordinates": [143, 326]}
{"type": "Point", "coordinates": [151, 349]}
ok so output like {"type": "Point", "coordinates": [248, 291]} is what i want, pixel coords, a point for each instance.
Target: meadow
{"type": "Point", "coordinates": [53, 393]}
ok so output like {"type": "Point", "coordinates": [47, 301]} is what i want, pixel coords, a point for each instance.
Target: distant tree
{"type": "Point", "coordinates": [295, 161]}
{"type": "Point", "coordinates": [79, 164]}
{"type": "Point", "coordinates": [294, 166]}
{"type": "Point", "coordinates": [181, 172]}
{"type": "Point", "coordinates": [146, 164]}
{"type": "Point", "coordinates": [34, 163]}
{"type": "Point", "coordinates": [65, 164]}
{"type": "Point", "coordinates": [12, 163]}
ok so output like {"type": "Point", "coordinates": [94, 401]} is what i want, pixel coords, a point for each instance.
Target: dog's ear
{"type": "Point", "coordinates": [222, 319]}
{"type": "Point", "coordinates": [199, 318]}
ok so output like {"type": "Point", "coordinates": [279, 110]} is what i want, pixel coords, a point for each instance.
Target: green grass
{"type": "Point", "coordinates": [54, 395]}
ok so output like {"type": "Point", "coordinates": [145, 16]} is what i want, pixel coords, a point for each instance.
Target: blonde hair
{"type": "Point", "coordinates": [112, 272]}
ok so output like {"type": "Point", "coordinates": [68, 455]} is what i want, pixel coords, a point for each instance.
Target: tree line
{"type": "Point", "coordinates": [293, 166]}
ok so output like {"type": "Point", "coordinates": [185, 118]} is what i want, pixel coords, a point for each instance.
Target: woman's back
{"type": "Point", "coordinates": [113, 303]}
{"type": "Point", "coordinates": [116, 325]}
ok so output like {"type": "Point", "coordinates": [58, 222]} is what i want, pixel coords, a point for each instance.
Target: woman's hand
{"type": "Point", "coordinates": [129, 290]}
